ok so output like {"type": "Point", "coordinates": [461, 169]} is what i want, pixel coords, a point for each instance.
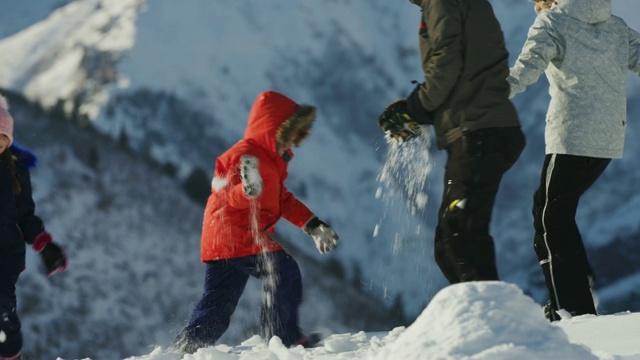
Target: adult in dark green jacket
{"type": "Point", "coordinates": [465, 97]}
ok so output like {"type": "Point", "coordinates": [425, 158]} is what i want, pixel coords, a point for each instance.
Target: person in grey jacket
{"type": "Point", "coordinates": [585, 53]}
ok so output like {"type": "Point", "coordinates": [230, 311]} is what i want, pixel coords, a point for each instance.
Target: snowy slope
{"type": "Point", "coordinates": [177, 79]}
{"type": "Point", "coordinates": [132, 239]}
{"type": "Point", "coordinates": [484, 320]}
{"type": "Point", "coordinates": [177, 59]}
{"type": "Point", "coordinates": [67, 59]}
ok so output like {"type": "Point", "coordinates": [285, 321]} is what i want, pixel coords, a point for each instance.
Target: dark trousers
{"type": "Point", "coordinates": [557, 240]}
{"type": "Point", "coordinates": [9, 322]}
{"type": "Point", "coordinates": [464, 249]}
{"type": "Point", "coordinates": [225, 281]}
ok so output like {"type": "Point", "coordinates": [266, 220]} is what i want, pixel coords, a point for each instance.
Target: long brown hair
{"type": "Point", "coordinates": [10, 162]}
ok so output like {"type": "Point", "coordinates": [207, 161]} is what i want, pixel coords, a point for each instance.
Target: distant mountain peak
{"type": "Point", "coordinates": [68, 59]}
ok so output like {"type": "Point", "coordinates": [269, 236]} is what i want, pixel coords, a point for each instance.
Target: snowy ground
{"type": "Point", "coordinates": [477, 320]}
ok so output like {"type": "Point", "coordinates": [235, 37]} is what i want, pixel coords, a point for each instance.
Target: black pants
{"type": "Point", "coordinates": [475, 165]}
{"type": "Point", "coordinates": [225, 281]}
{"type": "Point", "coordinates": [557, 241]}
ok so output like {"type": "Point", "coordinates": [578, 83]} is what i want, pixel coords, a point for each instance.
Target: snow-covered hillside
{"type": "Point", "coordinates": [192, 77]}
{"type": "Point", "coordinates": [483, 320]}
{"type": "Point", "coordinates": [132, 237]}
{"type": "Point", "coordinates": [173, 83]}
{"type": "Point", "coordinates": [68, 60]}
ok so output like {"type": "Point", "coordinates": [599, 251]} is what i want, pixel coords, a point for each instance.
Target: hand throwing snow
{"type": "Point", "coordinates": [251, 180]}
{"type": "Point", "coordinates": [323, 235]}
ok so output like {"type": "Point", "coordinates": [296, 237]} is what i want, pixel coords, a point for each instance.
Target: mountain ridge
{"type": "Point", "coordinates": [182, 92]}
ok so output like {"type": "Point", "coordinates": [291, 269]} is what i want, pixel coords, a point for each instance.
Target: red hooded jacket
{"type": "Point", "coordinates": [234, 225]}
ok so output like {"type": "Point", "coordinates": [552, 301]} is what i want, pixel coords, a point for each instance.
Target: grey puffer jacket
{"type": "Point", "coordinates": [585, 53]}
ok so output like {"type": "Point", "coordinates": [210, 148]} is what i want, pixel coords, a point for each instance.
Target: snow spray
{"type": "Point", "coordinates": [404, 175]}
{"type": "Point", "coordinates": [266, 267]}
{"type": "Point", "coordinates": [403, 179]}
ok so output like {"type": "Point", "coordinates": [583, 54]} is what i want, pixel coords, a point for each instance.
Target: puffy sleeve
{"type": "Point", "coordinates": [444, 64]}
{"type": "Point", "coordinates": [294, 211]}
{"type": "Point", "coordinates": [542, 46]}
{"type": "Point", "coordinates": [30, 224]}
{"type": "Point", "coordinates": [237, 198]}
{"type": "Point", "coordinates": [226, 179]}
{"type": "Point", "coordinates": [634, 51]}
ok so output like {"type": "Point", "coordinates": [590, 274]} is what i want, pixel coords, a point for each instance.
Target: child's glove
{"type": "Point", "coordinates": [396, 122]}
{"type": "Point", "coordinates": [323, 235]}
{"type": "Point", "coordinates": [53, 257]}
{"type": "Point", "coordinates": [250, 176]}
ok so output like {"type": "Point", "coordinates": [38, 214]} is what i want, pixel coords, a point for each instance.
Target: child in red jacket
{"type": "Point", "coordinates": [18, 225]}
{"type": "Point", "coordinates": [248, 198]}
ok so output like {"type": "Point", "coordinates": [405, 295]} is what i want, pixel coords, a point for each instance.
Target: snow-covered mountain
{"type": "Point", "coordinates": [130, 231]}
{"type": "Point", "coordinates": [173, 82]}
{"type": "Point", "coordinates": [67, 60]}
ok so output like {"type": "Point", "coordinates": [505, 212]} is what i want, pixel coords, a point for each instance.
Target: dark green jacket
{"type": "Point", "coordinates": [465, 64]}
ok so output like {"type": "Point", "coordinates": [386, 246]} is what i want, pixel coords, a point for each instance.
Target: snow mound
{"type": "Point", "coordinates": [483, 320]}
{"type": "Point", "coordinates": [476, 320]}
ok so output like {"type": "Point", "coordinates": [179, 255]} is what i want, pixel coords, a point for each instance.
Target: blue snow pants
{"type": "Point", "coordinates": [225, 281]}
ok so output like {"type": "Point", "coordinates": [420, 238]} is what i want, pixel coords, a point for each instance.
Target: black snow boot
{"type": "Point", "coordinates": [549, 312]}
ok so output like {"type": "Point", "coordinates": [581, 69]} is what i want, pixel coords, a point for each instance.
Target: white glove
{"type": "Point", "coordinates": [250, 176]}
{"type": "Point", "coordinates": [323, 235]}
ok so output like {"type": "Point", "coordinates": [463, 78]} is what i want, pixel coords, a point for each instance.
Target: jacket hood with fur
{"type": "Point", "coordinates": [276, 120]}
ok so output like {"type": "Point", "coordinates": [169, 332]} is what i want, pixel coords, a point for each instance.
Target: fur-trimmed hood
{"type": "Point", "coordinates": [276, 120]}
